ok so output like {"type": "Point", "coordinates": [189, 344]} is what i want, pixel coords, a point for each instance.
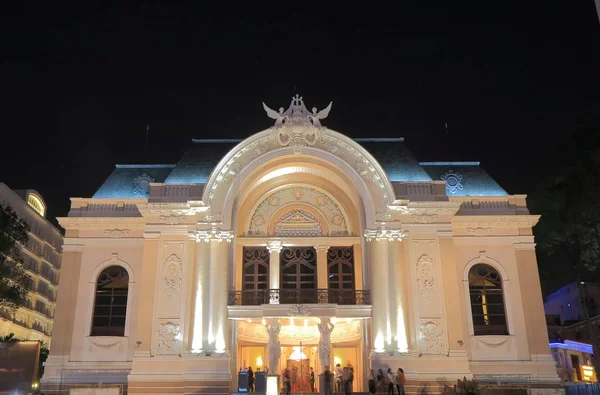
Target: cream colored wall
{"type": "Point", "coordinates": [501, 255]}
{"type": "Point", "coordinates": [96, 256]}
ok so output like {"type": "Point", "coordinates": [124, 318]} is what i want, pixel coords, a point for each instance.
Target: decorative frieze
{"type": "Point", "coordinates": [116, 232]}
{"type": "Point", "coordinates": [424, 218]}
{"type": "Point", "coordinates": [480, 230]}
{"type": "Point", "coordinates": [384, 233]}
{"type": "Point", "coordinates": [213, 234]}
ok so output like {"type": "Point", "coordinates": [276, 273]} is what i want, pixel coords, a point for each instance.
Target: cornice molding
{"type": "Point", "coordinates": [101, 222]}
{"type": "Point", "coordinates": [495, 221]}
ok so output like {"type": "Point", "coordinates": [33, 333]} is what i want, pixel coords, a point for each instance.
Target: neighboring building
{"type": "Point", "coordinates": [574, 361]}
{"type": "Point", "coordinates": [295, 248]}
{"type": "Point", "coordinates": [566, 303]}
{"type": "Point", "coordinates": [42, 256]}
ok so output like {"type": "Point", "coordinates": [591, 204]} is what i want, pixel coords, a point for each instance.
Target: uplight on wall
{"type": "Point", "coordinates": [337, 360]}
{"type": "Point", "coordinates": [259, 362]}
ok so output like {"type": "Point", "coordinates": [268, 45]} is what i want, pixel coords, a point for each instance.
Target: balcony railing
{"type": "Point", "coordinates": [298, 296]}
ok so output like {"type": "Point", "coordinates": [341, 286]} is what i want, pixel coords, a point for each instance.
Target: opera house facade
{"type": "Point", "coordinates": [297, 247]}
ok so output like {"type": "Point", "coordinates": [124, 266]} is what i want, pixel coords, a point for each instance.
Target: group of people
{"type": "Point", "coordinates": [377, 383]}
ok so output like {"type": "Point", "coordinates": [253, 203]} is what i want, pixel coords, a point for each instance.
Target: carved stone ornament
{"type": "Point", "coordinates": [172, 276]}
{"type": "Point", "coordinates": [298, 310]}
{"type": "Point", "coordinates": [493, 345]}
{"type": "Point", "coordinates": [480, 231]}
{"type": "Point", "coordinates": [209, 217]}
{"type": "Point", "coordinates": [426, 277]}
{"type": "Point", "coordinates": [453, 181]}
{"type": "Point", "coordinates": [116, 233]}
{"type": "Point", "coordinates": [297, 127]}
{"type": "Point", "coordinates": [141, 185]}
{"type": "Point", "coordinates": [213, 234]}
{"type": "Point", "coordinates": [431, 333]}
{"type": "Point", "coordinates": [384, 233]}
{"type": "Point", "coordinates": [167, 339]}
{"type": "Point", "coordinates": [424, 218]}
{"type": "Point", "coordinates": [172, 218]}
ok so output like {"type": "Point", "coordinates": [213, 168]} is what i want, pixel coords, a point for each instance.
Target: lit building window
{"type": "Point", "coordinates": [487, 301]}
{"type": "Point", "coordinates": [110, 305]}
{"type": "Point", "coordinates": [37, 204]}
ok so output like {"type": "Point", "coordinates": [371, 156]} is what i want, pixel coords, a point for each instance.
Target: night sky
{"type": "Point", "coordinates": [80, 83]}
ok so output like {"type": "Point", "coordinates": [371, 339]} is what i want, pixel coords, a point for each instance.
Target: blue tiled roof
{"type": "Point", "coordinates": [124, 182]}
{"type": "Point", "coordinates": [474, 181]}
{"type": "Point", "coordinates": [199, 161]}
{"type": "Point", "coordinates": [196, 165]}
{"type": "Point", "coordinates": [397, 161]}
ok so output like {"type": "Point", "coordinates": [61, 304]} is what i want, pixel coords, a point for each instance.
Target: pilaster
{"type": "Point", "coordinates": [274, 247]}
{"type": "Point", "coordinates": [322, 278]}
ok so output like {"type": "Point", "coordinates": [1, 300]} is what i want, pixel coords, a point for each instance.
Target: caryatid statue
{"type": "Point", "coordinates": [325, 327]}
{"type": "Point", "coordinates": [274, 348]}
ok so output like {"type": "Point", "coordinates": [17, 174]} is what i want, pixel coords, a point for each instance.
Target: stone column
{"type": "Point", "coordinates": [325, 354]}
{"type": "Point", "coordinates": [380, 293]}
{"type": "Point", "coordinates": [201, 302]}
{"type": "Point", "coordinates": [218, 291]}
{"type": "Point", "coordinates": [274, 248]}
{"type": "Point", "coordinates": [322, 273]}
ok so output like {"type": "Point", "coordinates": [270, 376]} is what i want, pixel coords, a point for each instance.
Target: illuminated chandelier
{"type": "Point", "coordinates": [298, 355]}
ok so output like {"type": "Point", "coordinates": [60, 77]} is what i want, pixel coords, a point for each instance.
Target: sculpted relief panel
{"type": "Point", "coordinates": [322, 202]}
{"type": "Point", "coordinates": [426, 277]}
{"type": "Point", "coordinates": [170, 285]}
{"type": "Point", "coordinates": [432, 338]}
{"type": "Point", "coordinates": [168, 344]}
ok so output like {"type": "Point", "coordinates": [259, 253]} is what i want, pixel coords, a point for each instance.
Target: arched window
{"type": "Point", "coordinates": [37, 204]}
{"type": "Point", "coordinates": [487, 301]}
{"type": "Point", "coordinates": [256, 275]}
{"type": "Point", "coordinates": [110, 305]}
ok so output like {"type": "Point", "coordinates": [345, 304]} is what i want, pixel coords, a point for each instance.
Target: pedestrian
{"type": "Point", "coordinates": [400, 381]}
{"type": "Point", "coordinates": [372, 381]}
{"type": "Point", "coordinates": [328, 376]}
{"type": "Point", "coordinates": [346, 380]}
{"type": "Point", "coordinates": [250, 379]}
{"type": "Point", "coordinates": [287, 382]}
{"type": "Point", "coordinates": [312, 380]}
{"type": "Point", "coordinates": [380, 380]}
{"type": "Point", "coordinates": [390, 381]}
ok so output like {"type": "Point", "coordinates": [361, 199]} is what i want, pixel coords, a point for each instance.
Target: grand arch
{"type": "Point", "coordinates": [297, 135]}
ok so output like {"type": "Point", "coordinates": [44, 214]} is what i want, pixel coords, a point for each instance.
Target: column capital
{"type": "Point", "coordinates": [322, 247]}
{"type": "Point", "coordinates": [217, 234]}
{"type": "Point", "coordinates": [275, 246]}
{"type": "Point", "coordinates": [384, 233]}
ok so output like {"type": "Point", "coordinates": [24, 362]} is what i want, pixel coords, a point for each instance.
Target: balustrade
{"type": "Point", "coordinates": [299, 296]}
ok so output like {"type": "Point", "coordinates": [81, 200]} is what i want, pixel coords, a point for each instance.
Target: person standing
{"type": "Point", "coordinates": [380, 380]}
{"type": "Point", "coordinates": [400, 381]}
{"type": "Point", "coordinates": [312, 380]}
{"type": "Point", "coordinates": [371, 379]}
{"type": "Point", "coordinates": [328, 376]}
{"type": "Point", "coordinates": [390, 380]}
{"type": "Point", "coordinates": [287, 382]}
{"type": "Point", "coordinates": [346, 380]}
{"type": "Point", "coordinates": [338, 378]}
{"type": "Point", "coordinates": [250, 379]}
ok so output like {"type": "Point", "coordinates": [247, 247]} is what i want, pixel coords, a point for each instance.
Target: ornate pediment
{"type": "Point", "coordinates": [298, 223]}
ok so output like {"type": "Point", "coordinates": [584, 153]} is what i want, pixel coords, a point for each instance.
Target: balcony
{"type": "Point", "coordinates": [298, 296]}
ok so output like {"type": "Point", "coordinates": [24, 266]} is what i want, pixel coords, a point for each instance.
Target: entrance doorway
{"type": "Point", "coordinates": [298, 360]}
